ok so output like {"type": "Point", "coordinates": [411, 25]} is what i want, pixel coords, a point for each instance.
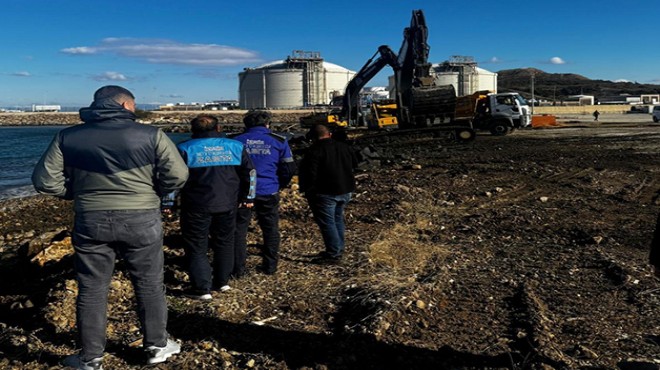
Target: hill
{"type": "Point", "coordinates": [559, 86]}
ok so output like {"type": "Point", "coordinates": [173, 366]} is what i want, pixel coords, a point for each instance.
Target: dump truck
{"type": "Point", "coordinates": [498, 113]}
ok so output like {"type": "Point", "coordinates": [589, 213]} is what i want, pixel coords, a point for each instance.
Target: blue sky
{"type": "Point", "coordinates": [60, 51]}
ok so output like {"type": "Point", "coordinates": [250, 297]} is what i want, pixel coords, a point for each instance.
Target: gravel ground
{"type": "Point", "coordinates": [526, 251]}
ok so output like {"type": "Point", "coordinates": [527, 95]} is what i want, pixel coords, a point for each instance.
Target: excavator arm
{"type": "Point", "coordinates": [351, 99]}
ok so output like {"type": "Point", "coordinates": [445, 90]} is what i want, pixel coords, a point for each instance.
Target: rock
{"type": "Point", "coordinates": [402, 189]}
{"type": "Point", "coordinates": [420, 304]}
{"type": "Point", "coordinates": [543, 199]}
{"type": "Point", "coordinates": [250, 363]}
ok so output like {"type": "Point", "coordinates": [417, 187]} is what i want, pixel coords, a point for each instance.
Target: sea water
{"type": "Point", "coordinates": [20, 150]}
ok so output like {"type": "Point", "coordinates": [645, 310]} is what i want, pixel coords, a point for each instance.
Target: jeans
{"type": "Point", "coordinates": [195, 229]}
{"type": "Point", "coordinates": [266, 208]}
{"type": "Point", "coordinates": [328, 211]}
{"type": "Point", "coordinates": [137, 236]}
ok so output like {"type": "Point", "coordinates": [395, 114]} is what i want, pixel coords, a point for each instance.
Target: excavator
{"type": "Point", "coordinates": [418, 102]}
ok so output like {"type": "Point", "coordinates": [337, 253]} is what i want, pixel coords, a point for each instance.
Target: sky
{"type": "Point", "coordinates": [61, 51]}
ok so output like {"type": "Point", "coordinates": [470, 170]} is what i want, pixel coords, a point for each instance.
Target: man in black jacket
{"type": "Point", "coordinates": [326, 178]}
{"type": "Point", "coordinates": [221, 176]}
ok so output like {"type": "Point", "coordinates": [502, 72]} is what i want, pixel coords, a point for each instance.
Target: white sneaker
{"type": "Point", "coordinates": [161, 354]}
{"type": "Point", "coordinates": [77, 363]}
{"type": "Point", "coordinates": [199, 296]}
{"type": "Point", "coordinates": [225, 288]}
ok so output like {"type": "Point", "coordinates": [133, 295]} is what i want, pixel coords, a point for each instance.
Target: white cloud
{"type": "Point", "coordinates": [557, 60]}
{"type": "Point", "coordinates": [80, 50]}
{"type": "Point", "coordinates": [621, 80]}
{"type": "Point", "coordinates": [21, 74]}
{"type": "Point", "coordinates": [110, 76]}
{"type": "Point", "coordinates": [170, 52]}
{"type": "Point", "coordinates": [495, 60]}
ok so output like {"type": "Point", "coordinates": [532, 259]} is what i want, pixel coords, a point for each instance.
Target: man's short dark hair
{"type": "Point", "coordinates": [114, 92]}
{"type": "Point", "coordinates": [203, 123]}
{"type": "Point", "coordinates": [318, 131]}
{"type": "Point", "coordinates": [257, 118]}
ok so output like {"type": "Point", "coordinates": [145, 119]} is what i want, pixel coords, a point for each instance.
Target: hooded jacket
{"type": "Point", "coordinates": [110, 162]}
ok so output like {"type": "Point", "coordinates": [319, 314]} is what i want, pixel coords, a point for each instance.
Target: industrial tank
{"type": "Point", "coordinates": [467, 82]}
{"type": "Point", "coordinates": [462, 73]}
{"type": "Point", "coordinates": [301, 80]}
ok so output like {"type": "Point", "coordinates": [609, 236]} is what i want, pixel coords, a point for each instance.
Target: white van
{"type": "Point", "coordinates": [656, 113]}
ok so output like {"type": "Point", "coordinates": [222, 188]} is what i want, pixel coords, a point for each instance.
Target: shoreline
{"type": "Point", "coordinates": [155, 117]}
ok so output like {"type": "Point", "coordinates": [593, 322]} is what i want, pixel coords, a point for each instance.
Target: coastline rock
{"type": "Point", "coordinates": [153, 117]}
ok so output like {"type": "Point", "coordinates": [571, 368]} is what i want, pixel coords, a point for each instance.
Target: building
{"type": "Point", "coordinates": [619, 99]}
{"type": "Point", "coordinates": [462, 73]}
{"type": "Point", "coordinates": [46, 108]}
{"type": "Point", "coordinates": [580, 100]}
{"type": "Point", "coordinates": [304, 79]}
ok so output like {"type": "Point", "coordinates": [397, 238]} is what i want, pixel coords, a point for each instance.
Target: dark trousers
{"type": "Point", "coordinates": [137, 236]}
{"type": "Point", "coordinates": [328, 211]}
{"type": "Point", "coordinates": [266, 208]}
{"type": "Point", "coordinates": [195, 229]}
{"type": "Point", "coordinates": [655, 246]}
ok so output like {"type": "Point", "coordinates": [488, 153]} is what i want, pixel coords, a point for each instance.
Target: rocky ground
{"type": "Point", "coordinates": [526, 251]}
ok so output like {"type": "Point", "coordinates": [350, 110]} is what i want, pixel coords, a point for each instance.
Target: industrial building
{"type": "Point", "coordinates": [462, 73]}
{"type": "Point", "coordinates": [304, 79]}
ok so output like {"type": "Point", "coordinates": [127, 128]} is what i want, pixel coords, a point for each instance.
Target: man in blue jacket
{"type": "Point", "coordinates": [272, 158]}
{"type": "Point", "coordinates": [221, 176]}
{"type": "Point", "coordinates": [115, 170]}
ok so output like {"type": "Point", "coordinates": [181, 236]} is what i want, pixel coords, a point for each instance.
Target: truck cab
{"type": "Point", "coordinates": [499, 113]}
{"type": "Point", "coordinates": [514, 104]}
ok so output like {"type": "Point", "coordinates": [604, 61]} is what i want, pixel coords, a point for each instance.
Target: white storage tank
{"type": "Point", "coordinates": [284, 88]}
{"type": "Point", "coordinates": [301, 80]}
{"type": "Point", "coordinates": [462, 73]}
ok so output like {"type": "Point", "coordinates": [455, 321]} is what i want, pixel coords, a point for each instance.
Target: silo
{"type": "Point", "coordinates": [284, 88]}
{"type": "Point", "coordinates": [462, 72]}
{"type": "Point", "coordinates": [251, 87]}
{"type": "Point", "coordinates": [487, 80]}
{"type": "Point", "coordinates": [303, 79]}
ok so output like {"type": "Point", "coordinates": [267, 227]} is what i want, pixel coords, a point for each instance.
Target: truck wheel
{"type": "Point", "coordinates": [500, 129]}
{"type": "Point", "coordinates": [655, 119]}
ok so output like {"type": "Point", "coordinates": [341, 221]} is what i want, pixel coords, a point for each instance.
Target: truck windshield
{"type": "Point", "coordinates": [506, 100]}
{"type": "Point", "coordinates": [521, 100]}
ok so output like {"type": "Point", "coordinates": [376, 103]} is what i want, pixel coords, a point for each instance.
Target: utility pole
{"type": "Point", "coordinates": [533, 100]}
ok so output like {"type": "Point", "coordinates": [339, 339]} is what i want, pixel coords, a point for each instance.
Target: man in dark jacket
{"type": "Point", "coordinates": [115, 170]}
{"type": "Point", "coordinates": [275, 167]}
{"type": "Point", "coordinates": [326, 178]}
{"type": "Point", "coordinates": [221, 176]}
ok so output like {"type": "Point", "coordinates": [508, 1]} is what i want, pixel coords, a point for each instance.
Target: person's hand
{"type": "Point", "coordinates": [246, 205]}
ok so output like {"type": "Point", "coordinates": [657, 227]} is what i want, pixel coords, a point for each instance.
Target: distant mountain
{"type": "Point", "coordinates": [559, 86]}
